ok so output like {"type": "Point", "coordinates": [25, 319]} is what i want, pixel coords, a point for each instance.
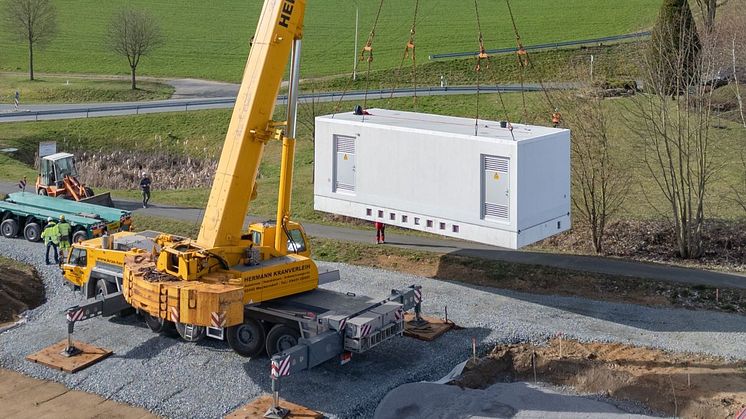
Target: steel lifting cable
{"type": "Point", "coordinates": [409, 47]}
{"type": "Point", "coordinates": [525, 61]}
{"type": "Point", "coordinates": [366, 54]}
{"type": "Point", "coordinates": [482, 55]}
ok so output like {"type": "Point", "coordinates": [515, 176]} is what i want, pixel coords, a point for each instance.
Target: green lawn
{"type": "Point", "coordinates": [210, 40]}
{"type": "Point", "coordinates": [201, 133]}
{"type": "Point", "coordinates": [48, 89]}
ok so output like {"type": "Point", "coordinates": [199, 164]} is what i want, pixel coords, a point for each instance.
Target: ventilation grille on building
{"type": "Point", "coordinates": [495, 163]}
{"type": "Point", "coordinates": [495, 210]}
{"type": "Point", "coordinates": [345, 187]}
{"type": "Point", "coordinates": [346, 145]}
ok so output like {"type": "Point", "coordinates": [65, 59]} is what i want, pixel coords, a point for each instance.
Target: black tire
{"type": "Point", "coordinates": [88, 192]}
{"type": "Point", "coordinates": [9, 228]}
{"type": "Point", "coordinates": [281, 338]}
{"type": "Point", "coordinates": [42, 192]}
{"type": "Point", "coordinates": [159, 325]}
{"type": "Point", "coordinates": [32, 232]}
{"type": "Point", "coordinates": [104, 288]}
{"type": "Point", "coordinates": [247, 338]}
{"type": "Point", "coordinates": [79, 234]}
{"type": "Point", "coordinates": [197, 334]}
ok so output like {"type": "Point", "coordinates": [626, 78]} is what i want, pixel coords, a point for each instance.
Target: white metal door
{"type": "Point", "coordinates": [344, 164]}
{"type": "Point", "coordinates": [495, 188]}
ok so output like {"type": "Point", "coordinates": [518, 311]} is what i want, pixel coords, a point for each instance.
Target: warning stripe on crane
{"type": "Point", "coordinates": [418, 295]}
{"type": "Point", "coordinates": [217, 319]}
{"type": "Point", "coordinates": [364, 330]}
{"type": "Point", "coordinates": [399, 314]}
{"type": "Point", "coordinates": [280, 368]}
{"type": "Point", "coordinates": [342, 324]}
{"type": "Point", "coordinates": [174, 315]}
{"type": "Point", "coordinates": [75, 315]}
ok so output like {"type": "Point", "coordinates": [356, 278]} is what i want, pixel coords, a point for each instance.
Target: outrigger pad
{"type": "Point", "coordinates": [259, 406]}
{"type": "Point", "coordinates": [54, 357]}
{"type": "Point", "coordinates": [431, 330]}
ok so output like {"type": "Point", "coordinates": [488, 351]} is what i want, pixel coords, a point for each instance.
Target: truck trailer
{"type": "Point", "coordinates": [26, 213]}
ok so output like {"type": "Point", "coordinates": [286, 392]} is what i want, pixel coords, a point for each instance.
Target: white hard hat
{"type": "Point", "coordinates": [144, 174]}
{"type": "Point", "coordinates": [49, 219]}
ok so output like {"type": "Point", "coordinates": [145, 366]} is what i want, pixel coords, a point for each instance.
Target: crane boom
{"type": "Point", "coordinates": [251, 127]}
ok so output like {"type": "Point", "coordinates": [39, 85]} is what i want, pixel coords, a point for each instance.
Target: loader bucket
{"type": "Point", "coordinates": [103, 199]}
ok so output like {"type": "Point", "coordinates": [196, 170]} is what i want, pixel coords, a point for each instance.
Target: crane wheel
{"type": "Point", "coordinates": [190, 332]}
{"type": "Point", "coordinates": [104, 288]}
{"type": "Point", "coordinates": [159, 325]}
{"type": "Point", "coordinates": [42, 192]}
{"type": "Point", "coordinates": [9, 228]}
{"type": "Point", "coordinates": [281, 338]}
{"type": "Point", "coordinates": [247, 338]}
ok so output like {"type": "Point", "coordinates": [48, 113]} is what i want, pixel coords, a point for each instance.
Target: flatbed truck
{"type": "Point", "coordinates": [26, 214]}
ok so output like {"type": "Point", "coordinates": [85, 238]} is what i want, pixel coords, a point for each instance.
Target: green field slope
{"type": "Point", "coordinates": [211, 39]}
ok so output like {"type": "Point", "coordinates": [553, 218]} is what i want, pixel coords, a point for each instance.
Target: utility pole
{"type": "Point", "coordinates": [354, 55]}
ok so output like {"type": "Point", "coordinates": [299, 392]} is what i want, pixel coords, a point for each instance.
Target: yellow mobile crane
{"type": "Point", "coordinates": [258, 289]}
{"type": "Point", "coordinates": [206, 282]}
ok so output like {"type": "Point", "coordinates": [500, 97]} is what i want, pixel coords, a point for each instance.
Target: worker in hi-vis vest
{"type": "Point", "coordinates": [51, 236]}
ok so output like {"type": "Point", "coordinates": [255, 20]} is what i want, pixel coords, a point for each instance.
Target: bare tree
{"type": "Point", "coordinates": [676, 133]}
{"type": "Point", "coordinates": [31, 21]}
{"type": "Point", "coordinates": [599, 184]}
{"type": "Point", "coordinates": [708, 8]}
{"type": "Point", "coordinates": [133, 34]}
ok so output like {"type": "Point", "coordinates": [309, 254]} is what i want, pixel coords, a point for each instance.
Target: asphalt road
{"type": "Point", "coordinates": [443, 245]}
{"type": "Point", "coordinates": [193, 95]}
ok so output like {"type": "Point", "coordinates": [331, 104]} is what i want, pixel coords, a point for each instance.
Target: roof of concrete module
{"type": "Point", "coordinates": [484, 129]}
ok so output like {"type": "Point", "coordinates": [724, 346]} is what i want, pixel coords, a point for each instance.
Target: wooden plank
{"type": "Point", "coordinates": [51, 356]}
{"type": "Point", "coordinates": [257, 408]}
{"type": "Point", "coordinates": [434, 328]}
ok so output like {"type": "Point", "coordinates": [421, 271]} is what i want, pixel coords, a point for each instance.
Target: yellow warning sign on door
{"type": "Point", "coordinates": [345, 157]}
{"type": "Point", "coordinates": [497, 176]}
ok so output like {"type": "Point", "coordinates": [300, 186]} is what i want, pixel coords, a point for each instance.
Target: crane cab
{"type": "Point", "coordinates": [263, 235]}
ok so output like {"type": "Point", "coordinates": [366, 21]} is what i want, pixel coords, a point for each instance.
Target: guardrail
{"type": "Point", "coordinates": [551, 45]}
{"type": "Point", "coordinates": [181, 105]}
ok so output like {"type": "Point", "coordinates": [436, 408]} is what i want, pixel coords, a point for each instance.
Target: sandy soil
{"type": "Point", "coordinates": [677, 385]}
{"type": "Point", "coordinates": [24, 397]}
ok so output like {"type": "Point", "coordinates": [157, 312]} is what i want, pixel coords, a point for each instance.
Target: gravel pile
{"type": "Point", "coordinates": [176, 379]}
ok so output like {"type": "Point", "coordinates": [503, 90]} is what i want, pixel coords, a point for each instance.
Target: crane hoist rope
{"type": "Point", "coordinates": [482, 55]}
{"type": "Point", "coordinates": [366, 54]}
{"type": "Point", "coordinates": [410, 46]}
{"type": "Point", "coordinates": [525, 61]}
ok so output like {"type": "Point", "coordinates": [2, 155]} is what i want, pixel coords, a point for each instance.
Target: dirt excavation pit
{"type": "Point", "coordinates": [21, 289]}
{"type": "Point", "coordinates": [677, 385]}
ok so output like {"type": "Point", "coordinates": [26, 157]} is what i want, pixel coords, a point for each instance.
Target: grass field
{"type": "Point", "coordinates": [50, 89]}
{"type": "Point", "coordinates": [210, 40]}
{"type": "Point", "coordinates": [201, 133]}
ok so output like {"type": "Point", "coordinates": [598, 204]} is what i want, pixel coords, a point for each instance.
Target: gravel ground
{"type": "Point", "coordinates": [177, 379]}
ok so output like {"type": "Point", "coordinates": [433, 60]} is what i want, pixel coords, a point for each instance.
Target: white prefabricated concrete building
{"type": "Point", "coordinates": [445, 175]}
